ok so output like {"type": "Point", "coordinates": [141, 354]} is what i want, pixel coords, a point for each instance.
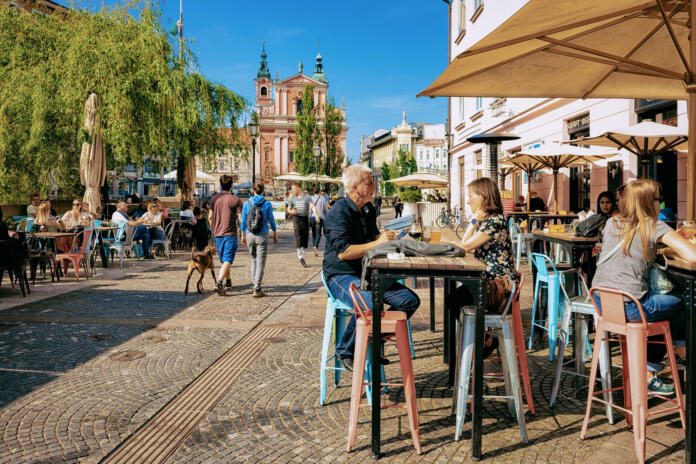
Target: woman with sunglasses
{"type": "Point", "coordinates": [76, 216]}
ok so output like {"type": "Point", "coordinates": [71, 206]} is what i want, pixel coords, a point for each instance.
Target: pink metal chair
{"type": "Point", "coordinates": [76, 257]}
{"type": "Point", "coordinates": [394, 328]}
{"type": "Point", "coordinates": [634, 340]}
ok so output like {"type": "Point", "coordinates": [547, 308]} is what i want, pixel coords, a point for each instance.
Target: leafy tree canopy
{"type": "Point", "coordinates": [154, 105]}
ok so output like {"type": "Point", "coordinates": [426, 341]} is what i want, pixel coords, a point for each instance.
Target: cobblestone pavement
{"type": "Point", "coordinates": [87, 374]}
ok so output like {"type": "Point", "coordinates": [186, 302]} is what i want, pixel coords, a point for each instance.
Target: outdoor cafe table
{"type": "Point", "coordinates": [684, 275]}
{"type": "Point", "coordinates": [543, 217]}
{"type": "Point", "coordinates": [576, 246]}
{"type": "Point", "coordinates": [51, 237]}
{"type": "Point", "coordinates": [471, 273]}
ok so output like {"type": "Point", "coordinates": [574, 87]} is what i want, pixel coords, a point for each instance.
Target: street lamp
{"type": "Point", "coordinates": [317, 153]}
{"type": "Point", "coordinates": [253, 132]}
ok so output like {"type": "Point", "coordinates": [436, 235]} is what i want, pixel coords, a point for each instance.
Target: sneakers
{"type": "Point", "coordinates": [681, 362]}
{"type": "Point", "coordinates": [303, 263]}
{"type": "Point", "coordinates": [259, 293]}
{"type": "Point", "coordinates": [657, 387]}
{"type": "Point", "coordinates": [219, 289]}
{"type": "Point", "coordinates": [347, 363]}
{"type": "Point", "coordinates": [228, 284]}
{"type": "Point", "coordinates": [149, 257]}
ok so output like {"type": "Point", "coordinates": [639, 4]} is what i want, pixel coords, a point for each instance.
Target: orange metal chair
{"type": "Point", "coordinates": [76, 257]}
{"type": "Point", "coordinates": [394, 328]}
{"type": "Point", "coordinates": [634, 340]}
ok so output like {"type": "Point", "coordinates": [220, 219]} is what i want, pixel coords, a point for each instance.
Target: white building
{"type": "Point", "coordinates": [431, 150]}
{"type": "Point", "coordinates": [537, 121]}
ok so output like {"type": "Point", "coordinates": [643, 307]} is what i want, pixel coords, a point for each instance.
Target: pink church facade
{"type": "Point", "coordinates": [278, 103]}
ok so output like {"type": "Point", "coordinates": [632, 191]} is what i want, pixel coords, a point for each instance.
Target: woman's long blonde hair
{"type": "Point", "coordinates": [638, 213]}
{"type": "Point", "coordinates": [43, 213]}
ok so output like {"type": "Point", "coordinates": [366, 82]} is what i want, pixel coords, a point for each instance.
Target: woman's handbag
{"type": "Point", "coordinates": [658, 282]}
{"type": "Point", "coordinates": [591, 227]}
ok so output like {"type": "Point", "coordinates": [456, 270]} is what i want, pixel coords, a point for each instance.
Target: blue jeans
{"type": "Point", "coordinates": [141, 233]}
{"type": "Point", "coordinates": [316, 225]}
{"type": "Point", "coordinates": [658, 307]}
{"type": "Point", "coordinates": [157, 234]}
{"type": "Point", "coordinates": [397, 296]}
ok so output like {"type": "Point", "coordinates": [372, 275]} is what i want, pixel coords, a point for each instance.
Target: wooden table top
{"type": "Point", "coordinates": [564, 236]}
{"type": "Point", "coordinates": [546, 214]}
{"type": "Point", "coordinates": [441, 263]}
{"type": "Point", "coordinates": [106, 228]}
{"type": "Point", "coordinates": [680, 264]}
{"type": "Point", "coordinates": [53, 234]}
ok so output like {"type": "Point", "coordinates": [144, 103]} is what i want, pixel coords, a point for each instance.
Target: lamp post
{"type": "Point", "coordinates": [253, 132]}
{"type": "Point", "coordinates": [317, 153]}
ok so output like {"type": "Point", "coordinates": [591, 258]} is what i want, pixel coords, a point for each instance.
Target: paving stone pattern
{"type": "Point", "coordinates": [87, 370]}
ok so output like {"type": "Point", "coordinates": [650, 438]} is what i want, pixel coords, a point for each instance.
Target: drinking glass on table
{"type": "Point", "coordinates": [687, 229]}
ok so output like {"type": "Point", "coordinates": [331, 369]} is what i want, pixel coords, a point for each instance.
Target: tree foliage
{"type": "Point", "coordinates": [386, 171]}
{"type": "Point", "coordinates": [154, 106]}
{"type": "Point", "coordinates": [307, 133]}
{"type": "Point", "coordinates": [407, 165]}
{"type": "Point", "coordinates": [332, 154]}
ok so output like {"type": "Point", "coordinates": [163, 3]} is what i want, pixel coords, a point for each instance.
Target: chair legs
{"type": "Point", "coordinates": [360, 354]}
{"type": "Point", "coordinates": [326, 340]}
{"type": "Point", "coordinates": [509, 360]}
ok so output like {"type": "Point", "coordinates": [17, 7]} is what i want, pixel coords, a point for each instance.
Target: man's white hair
{"type": "Point", "coordinates": [352, 175]}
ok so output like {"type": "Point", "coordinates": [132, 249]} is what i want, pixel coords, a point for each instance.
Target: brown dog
{"type": "Point", "coordinates": [201, 262]}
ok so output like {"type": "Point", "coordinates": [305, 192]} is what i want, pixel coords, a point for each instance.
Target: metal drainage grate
{"type": "Point", "coordinates": [126, 356]}
{"type": "Point", "coordinates": [274, 340]}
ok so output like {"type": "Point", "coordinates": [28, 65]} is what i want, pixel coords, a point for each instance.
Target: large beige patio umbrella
{"type": "Point", "coordinates": [645, 139]}
{"type": "Point", "coordinates": [555, 156]}
{"type": "Point", "coordinates": [292, 176]}
{"type": "Point", "coordinates": [92, 159]}
{"type": "Point", "coordinates": [585, 49]}
{"type": "Point", "coordinates": [199, 177]}
{"type": "Point", "coordinates": [421, 179]}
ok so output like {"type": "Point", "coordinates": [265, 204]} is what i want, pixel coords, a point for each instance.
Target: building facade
{"type": "Point", "coordinates": [538, 121]}
{"type": "Point", "coordinates": [278, 103]}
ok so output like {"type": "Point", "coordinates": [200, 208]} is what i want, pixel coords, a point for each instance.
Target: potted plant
{"type": "Point", "coordinates": [411, 196]}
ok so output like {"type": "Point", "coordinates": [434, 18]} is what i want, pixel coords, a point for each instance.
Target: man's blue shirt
{"type": "Point", "coordinates": [345, 225]}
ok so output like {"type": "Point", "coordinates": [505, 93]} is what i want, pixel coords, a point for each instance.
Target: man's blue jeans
{"type": "Point", "coordinates": [658, 307]}
{"type": "Point", "coordinates": [141, 233]}
{"type": "Point", "coordinates": [397, 296]}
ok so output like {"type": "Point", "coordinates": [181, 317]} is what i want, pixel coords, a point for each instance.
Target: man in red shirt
{"type": "Point", "coordinates": [224, 209]}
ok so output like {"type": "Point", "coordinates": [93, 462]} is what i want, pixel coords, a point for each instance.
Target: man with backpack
{"type": "Point", "coordinates": [257, 215]}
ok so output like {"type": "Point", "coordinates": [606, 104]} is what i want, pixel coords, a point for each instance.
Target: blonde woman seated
{"type": "Point", "coordinates": [489, 239]}
{"type": "Point", "coordinates": [153, 219]}
{"type": "Point", "coordinates": [46, 223]}
{"type": "Point", "coordinates": [76, 216]}
{"type": "Point", "coordinates": [638, 231]}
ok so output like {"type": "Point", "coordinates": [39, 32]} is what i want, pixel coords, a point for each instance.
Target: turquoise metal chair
{"type": "Point", "coordinates": [548, 279]}
{"type": "Point", "coordinates": [521, 242]}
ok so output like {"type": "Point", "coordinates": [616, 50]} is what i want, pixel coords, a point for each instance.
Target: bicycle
{"type": "Point", "coordinates": [452, 221]}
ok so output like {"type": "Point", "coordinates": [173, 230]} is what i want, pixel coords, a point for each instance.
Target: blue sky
{"type": "Point", "coordinates": [378, 54]}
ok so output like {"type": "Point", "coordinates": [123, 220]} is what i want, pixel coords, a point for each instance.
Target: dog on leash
{"type": "Point", "coordinates": [201, 262]}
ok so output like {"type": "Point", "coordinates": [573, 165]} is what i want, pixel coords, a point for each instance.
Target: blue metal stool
{"type": "Point", "coordinates": [551, 281]}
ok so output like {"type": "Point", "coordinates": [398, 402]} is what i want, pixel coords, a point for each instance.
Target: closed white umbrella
{"type": "Point", "coordinates": [92, 159]}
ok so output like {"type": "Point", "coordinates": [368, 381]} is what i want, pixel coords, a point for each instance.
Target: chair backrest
{"type": "Point", "coordinates": [613, 305]}
{"type": "Point", "coordinates": [539, 261]}
{"type": "Point", "coordinates": [86, 234]}
{"type": "Point", "coordinates": [360, 306]}
{"type": "Point", "coordinates": [514, 230]}
{"type": "Point", "coordinates": [514, 296]}
{"type": "Point", "coordinates": [326, 286]}
{"type": "Point", "coordinates": [120, 231]}
{"type": "Point", "coordinates": [96, 223]}
{"type": "Point", "coordinates": [567, 290]}
{"type": "Point", "coordinates": [169, 230]}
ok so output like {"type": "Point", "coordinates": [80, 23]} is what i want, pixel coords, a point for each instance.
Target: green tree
{"type": "Point", "coordinates": [154, 105]}
{"type": "Point", "coordinates": [386, 171]}
{"type": "Point", "coordinates": [333, 154]}
{"type": "Point", "coordinates": [307, 133]}
{"type": "Point", "coordinates": [407, 165]}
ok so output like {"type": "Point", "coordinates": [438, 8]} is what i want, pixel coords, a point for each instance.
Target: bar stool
{"type": "Point", "coordinates": [551, 281]}
{"type": "Point", "coordinates": [504, 325]}
{"type": "Point", "coordinates": [634, 340]}
{"type": "Point", "coordinates": [580, 307]}
{"type": "Point", "coordinates": [521, 242]}
{"type": "Point", "coordinates": [335, 321]}
{"type": "Point", "coordinates": [393, 329]}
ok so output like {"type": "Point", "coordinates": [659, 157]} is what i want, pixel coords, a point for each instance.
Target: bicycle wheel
{"type": "Point", "coordinates": [461, 228]}
{"type": "Point", "coordinates": [441, 222]}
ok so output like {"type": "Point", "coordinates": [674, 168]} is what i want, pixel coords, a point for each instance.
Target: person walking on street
{"type": "Point", "coordinates": [378, 204]}
{"type": "Point", "coordinates": [299, 207]}
{"type": "Point", "coordinates": [257, 216]}
{"type": "Point", "coordinates": [224, 209]}
{"type": "Point", "coordinates": [316, 221]}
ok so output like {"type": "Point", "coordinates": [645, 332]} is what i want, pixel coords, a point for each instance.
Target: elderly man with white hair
{"type": "Point", "coordinates": [351, 230]}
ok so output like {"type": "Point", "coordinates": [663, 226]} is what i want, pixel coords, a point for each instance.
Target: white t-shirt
{"type": "Point", "coordinates": [149, 218]}
{"type": "Point", "coordinates": [188, 215]}
{"type": "Point", "coordinates": [70, 223]}
{"type": "Point", "coordinates": [118, 217]}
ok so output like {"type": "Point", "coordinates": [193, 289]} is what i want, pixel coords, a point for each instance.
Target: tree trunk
{"type": "Point", "coordinates": [186, 178]}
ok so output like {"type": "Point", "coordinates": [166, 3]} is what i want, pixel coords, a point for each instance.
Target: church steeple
{"type": "Point", "coordinates": [319, 69]}
{"type": "Point", "coordinates": [263, 67]}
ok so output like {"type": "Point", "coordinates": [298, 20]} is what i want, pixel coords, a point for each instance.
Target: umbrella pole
{"type": "Point", "coordinates": [529, 190]}
{"type": "Point", "coordinates": [691, 157]}
{"type": "Point", "coordinates": [555, 191]}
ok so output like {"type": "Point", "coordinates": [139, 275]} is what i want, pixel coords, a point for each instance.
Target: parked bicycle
{"type": "Point", "coordinates": [452, 221]}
